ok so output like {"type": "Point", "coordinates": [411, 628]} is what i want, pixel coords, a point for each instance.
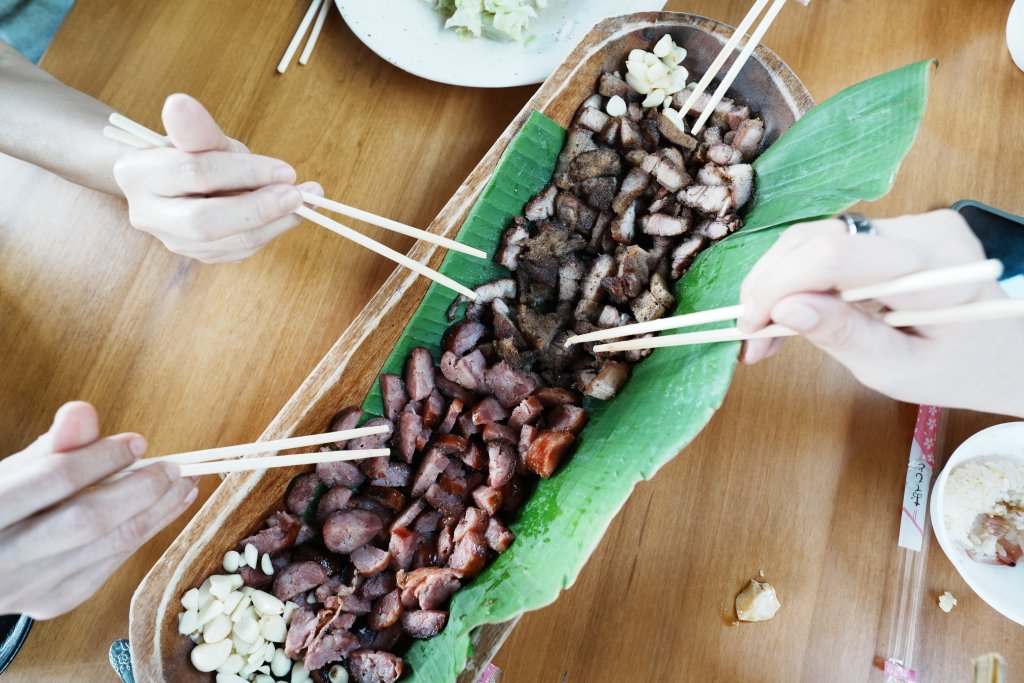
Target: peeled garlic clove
{"type": "Point", "coordinates": [616, 106]}
{"type": "Point", "coordinates": [266, 566]}
{"type": "Point", "coordinates": [230, 678]}
{"type": "Point", "coordinates": [231, 601]}
{"type": "Point", "coordinates": [273, 628]}
{"type": "Point", "coordinates": [191, 599]}
{"type": "Point", "coordinates": [280, 665]}
{"type": "Point", "coordinates": [247, 629]}
{"type": "Point", "coordinates": [757, 602]}
{"type": "Point", "coordinates": [213, 609]}
{"type": "Point", "coordinates": [232, 560]}
{"type": "Point", "coordinates": [638, 84]}
{"type": "Point", "coordinates": [636, 56]}
{"type": "Point", "coordinates": [638, 69]}
{"type": "Point", "coordinates": [188, 621]}
{"type": "Point", "coordinates": [232, 665]}
{"type": "Point", "coordinates": [220, 586]}
{"type": "Point", "coordinates": [656, 72]}
{"type": "Point", "coordinates": [251, 555]}
{"type": "Point", "coordinates": [210, 656]}
{"type": "Point", "coordinates": [217, 629]}
{"type": "Point", "coordinates": [265, 603]}
{"type": "Point", "coordinates": [338, 674]}
{"type": "Point", "coordinates": [663, 46]}
{"type": "Point", "coordinates": [655, 98]}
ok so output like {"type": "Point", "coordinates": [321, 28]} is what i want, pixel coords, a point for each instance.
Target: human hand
{"type": "Point", "coordinates": [62, 533]}
{"type": "Point", "coordinates": [971, 365]}
{"type": "Point", "coordinates": [207, 197]}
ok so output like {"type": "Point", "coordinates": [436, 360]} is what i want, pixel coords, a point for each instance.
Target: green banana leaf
{"type": "Point", "coordinates": [849, 148]}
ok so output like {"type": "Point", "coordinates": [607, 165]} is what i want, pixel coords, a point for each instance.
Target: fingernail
{"type": "Point", "coordinates": [137, 445]}
{"type": "Point", "coordinates": [796, 315]}
{"type": "Point", "coordinates": [289, 197]}
{"type": "Point", "coordinates": [191, 497]}
{"type": "Point", "coordinates": [284, 174]}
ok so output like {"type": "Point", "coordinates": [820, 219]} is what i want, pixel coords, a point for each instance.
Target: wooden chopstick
{"type": "Point", "coordinates": [280, 461]}
{"type": "Point", "coordinates": [385, 251]}
{"type": "Point", "coordinates": [967, 273]}
{"type": "Point", "coordinates": [121, 125]}
{"type": "Point", "coordinates": [737, 66]}
{"type": "Point", "coordinates": [138, 130]}
{"type": "Point", "coordinates": [307, 19]}
{"type": "Point", "coordinates": [994, 309]}
{"type": "Point", "coordinates": [315, 34]}
{"type": "Point", "coordinates": [727, 50]}
{"type": "Point", "coordinates": [388, 224]}
{"type": "Point", "coordinates": [213, 454]}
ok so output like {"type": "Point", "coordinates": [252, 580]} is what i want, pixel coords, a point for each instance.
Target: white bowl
{"type": "Point", "coordinates": [411, 35]}
{"type": "Point", "coordinates": [1000, 586]}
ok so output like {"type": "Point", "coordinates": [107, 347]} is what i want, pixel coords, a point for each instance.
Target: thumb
{"type": "Point", "coordinates": [190, 126]}
{"type": "Point", "coordinates": [854, 338]}
{"type": "Point", "coordinates": [75, 425]}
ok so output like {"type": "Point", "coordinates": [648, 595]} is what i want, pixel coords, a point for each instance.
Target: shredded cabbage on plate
{"type": "Point", "coordinates": [501, 19]}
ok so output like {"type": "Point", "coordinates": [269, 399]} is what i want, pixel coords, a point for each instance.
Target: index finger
{"type": "Point", "coordinates": [31, 481]}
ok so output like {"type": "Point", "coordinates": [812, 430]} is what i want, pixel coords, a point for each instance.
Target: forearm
{"type": "Point", "coordinates": [46, 123]}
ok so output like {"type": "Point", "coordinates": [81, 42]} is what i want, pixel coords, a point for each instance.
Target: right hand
{"type": "Point", "coordinates": [62, 532]}
{"type": "Point", "coordinates": [207, 197]}
{"type": "Point", "coordinates": [973, 365]}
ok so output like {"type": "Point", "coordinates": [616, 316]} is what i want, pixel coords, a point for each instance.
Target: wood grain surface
{"type": "Point", "coordinates": [800, 473]}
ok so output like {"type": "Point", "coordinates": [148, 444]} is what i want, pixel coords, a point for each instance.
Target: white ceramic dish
{"type": "Point", "coordinates": [1000, 587]}
{"type": "Point", "coordinates": [411, 35]}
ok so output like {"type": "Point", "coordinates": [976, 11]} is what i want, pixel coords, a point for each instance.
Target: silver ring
{"type": "Point", "coordinates": [858, 224]}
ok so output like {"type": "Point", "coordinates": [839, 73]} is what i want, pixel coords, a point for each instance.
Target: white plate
{"type": "Point", "coordinates": [411, 35]}
{"type": "Point", "coordinates": [999, 586]}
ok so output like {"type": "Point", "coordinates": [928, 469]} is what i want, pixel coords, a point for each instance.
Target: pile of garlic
{"type": "Point", "coordinates": [659, 74]}
{"type": "Point", "coordinates": [238, 630]}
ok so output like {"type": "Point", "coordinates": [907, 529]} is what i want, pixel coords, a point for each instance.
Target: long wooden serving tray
{"type": "Point", "coordinates": [348, 371]}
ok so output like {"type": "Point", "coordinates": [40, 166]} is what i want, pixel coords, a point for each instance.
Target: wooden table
{"type": "Point", "coordinates": [800, 474]}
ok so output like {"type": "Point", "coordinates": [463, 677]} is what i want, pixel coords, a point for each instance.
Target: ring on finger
{"type": "Point", "coordinates": [858, 223]}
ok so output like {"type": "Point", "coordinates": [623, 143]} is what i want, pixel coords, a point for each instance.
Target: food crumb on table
{"type": "Point", "coordinates": [757, 602]}
{"type": "Point", "coordinates": [947, 602]}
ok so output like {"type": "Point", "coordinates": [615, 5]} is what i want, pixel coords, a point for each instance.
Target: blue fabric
{"type": "Point", "coordinates": [29, 25]}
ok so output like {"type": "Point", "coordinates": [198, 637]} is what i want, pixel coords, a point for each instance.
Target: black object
{"type": "Point", "coordinates": [1001, 234]}
{"type": "Point", "coordinates": [14, 629]}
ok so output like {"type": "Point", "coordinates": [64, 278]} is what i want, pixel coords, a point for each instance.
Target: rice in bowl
{"type": "Point", "coordinates": [984, 513]}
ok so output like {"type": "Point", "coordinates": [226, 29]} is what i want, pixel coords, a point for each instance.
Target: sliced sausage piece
{"type": "Point", "coordinates": [346, 530]}
{"type": "Point", "coordinates": [433, 409]}
{"type": "Point", "coordinates": [410, 428]}
{"type": "Point", "coordinates": [386, 611]}
{"type": "Point", "coordinates": [402, 547]}
{"type": "Point", "coordinates": [404, 520]}
{"type": "Point", "coordinates": [500, 432]}
{"type": "Point", "coordinates": [473, 520]}
{"type": "Point", "coordinates": [444, 502]}
{"type": "Point", "coordinates": [300, 493]}
{"type": "Point", "coordinates": [429, 587]}
{"type": "Point", "coordinates": [526, 412]}
{"type": "Point", "coordinates": [489, 410]}
{"type": "Point", "coordinates": [369, 560]}
{"type": "Point", "coordinates": [567, 418]}
{"type": "Point", "coordinates": [376, 586]}
{"type": "Point", "coordinates": [547, 451]}
{"type": "Point", "coordinates": [392, 390]}
{"type": "Point", "coordinates": [374, 440]}
{"type": "Point", "coordinates": [433, 464]}
{"type": "Point", "coordinates": [340, 473]}
{"type": "Point", "coordinates": [488, 499]}
{"type": "Point", "coordinates": [464, 335]}
{"type": "Point", "coordinates": [329, 647]}
{"type": "Point", "coordinates": [510, 386]}
{"type": "Point", "coordinates": [473, 456]}
{"type": "Point", "coordinates": [454, 409]}
{"type": "Point", "coordinates": [372, 666]}
{"type": "Point", "coordinates": [338, 498]}
{"type": "Point", "coordinates": [498, 536]}
{"type": "Point", "coordinates": [419, 374]}
{"type": "Point", "coordinates": [301, 631]}
{"type": "Point", "coordinates": [501, 463]}
{"type": "Point", "coordinates": [296, 578]}
{"type": "Point", "coordinates": [469, 556]}
{"type": "Point", "coordinates": [424, 623]}
{"type": "Point", "coordinates": [346, 419]}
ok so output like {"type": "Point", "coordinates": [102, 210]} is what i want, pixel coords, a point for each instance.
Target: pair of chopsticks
{"type": "Point", "coordinates": [737, 66]}
{"type": "Point", "coordinates": [978, 271]}
{"type": "Point", "coordinates": [318, 8]}
{"type": "Point", "coordinates": [129, 132]}
{"type": "Point", "coordinates": [219, 460]}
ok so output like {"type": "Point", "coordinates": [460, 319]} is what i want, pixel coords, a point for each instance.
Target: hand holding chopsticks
{"type": "Point", "coordinates": [129, 132]}
{"type": "Point", "coordinates": [221, 460]}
